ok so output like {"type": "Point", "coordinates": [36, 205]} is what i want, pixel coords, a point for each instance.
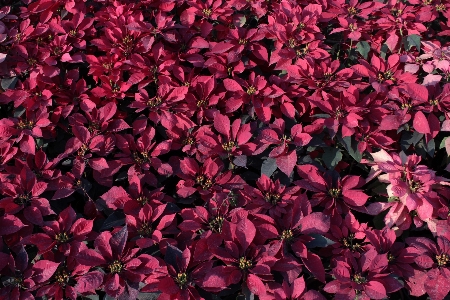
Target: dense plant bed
{"type": "Point", "coordinates": [211, 149]}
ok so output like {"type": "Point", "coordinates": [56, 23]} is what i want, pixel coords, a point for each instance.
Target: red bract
{"type": "Point", "coordinates": [244, 261]}
{"type": "Point", "coordinates": [85, 142]}
{"type": "Point", "coordinates": [143, 154]}
{"type": "Point", "coordinates": [203, 98]}
{"type": "Point", "coordinates": [149, 147]}
{"type": "Point", "coordinates": [22, 195]}
{"type": "Point", "coordinates": [98, 120]}
{"type": "Point", "coordinates": [66, 233]}
{"type": "Point", "coordinates": [335, 194]}
{"type": "Point", "coordinates": [166, 98]}
{"type": "Point", "coordinates": [10, 224]}
{"type": "Point", "coordinates": [205, 179]}
{"type": "Point", "coordinates": [182, 275]}
{"type": "Point", "coordinates": [200, 220]}
{"type": "Point", "coordinates": [434, 258]}
{"type": "Point", "coordinates": [233, 139]}
{"type": "Point", "coordinates": [297, 290]}
{"type": "Point", "coordinates": [364, 277]}
{"type": "Point", "coordinates": [410, 189]}
{"type": "Point", "coordinates": [399, 257]}
{"type": "Point", "coordinates": [149, 225]}
{"type": "Point", "coordinates": [66, 281]}
{"type": "Point", "coordinates": [242, 40]}
{"type": "Point", "coordinates": [286, 160]}
{"type": "Point", "coordinates": [348, 236]}
{"type": "Point", "coordinates": [123, 267]}
{"type": "Point", "coordinates": [270, 197]}
{"type": "Point", "coordinates": [245, 91]}
{"type": "Point", "coordinates": [344, 112]}
{"type": "Point", "coordinates": [383, 74]}
{"type": "Point", "coordinates": [23, 278]}
{"type": "Point", "coordinates": [294, 232]}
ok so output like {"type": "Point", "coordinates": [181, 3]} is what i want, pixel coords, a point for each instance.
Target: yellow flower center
{"type": "Point", "coordinates": [442, 259]}
{"type": "Point", "coordinates": [145, 229]}
{"type": "Point", "coordinates": [287, 235]}
{"type": "Point", "coordinates": [434, 101]}
{"type": "Point", "coordinates": [414, 185]}
{"type": "Point", "coordinates": [188, 141]}
{"type": "Point", "coordinates": [141, 157]}
{"type": "Point", "coordinates": [142, 200]}
{"type": "Point", "coordinates": [62, 237]}
{"type": "Point", "coordinates": [352, 10]}
{"type": "Point", "coordinates": [94, 126]}
{"type": "Point", "coordinates": [349, 243]}
{"type": "Point", "coordinates": [181, 280]}
{"type": "Point", "coordinates": [440, 7]}
{"type": "Point", "coordinates": [228, 146]}
{"type": "Point", "coordinates": [251, 90]}
{"type": "Point", "coordinates": [82, 151]}
{"type": "Point", "coordinates": [243, 41]}
{"type": "Point", "coordinates": [62, 277]}
{"type": "Point", "coordinates": [334, 192]}
{"type": "Point", "coordinates": [32, 62]}
{"type": "Point", "coordinates": [359, 279]}
{"type": "Point", "coordinates": [154, 102]}
{"type": "Point", "coordinates": [25, 124]}
{"type": "Point", "coordinates": [116, 267]}
{"type": "Point", "coordinates": [216, 224]}
{"type": "Point", "coordinates": [22, 199]}
{"type": "Point", "coordinates": [207, 12]}
{"type": "Point", "coordinates": [202, 103]}
{"type": "Point", "coordinates": [390, 257]}
{"type": "Point", "coordinates": [244, 263]}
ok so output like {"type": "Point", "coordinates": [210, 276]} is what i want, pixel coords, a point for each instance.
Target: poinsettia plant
{"type": "Point", "coordinates": [210, 149]}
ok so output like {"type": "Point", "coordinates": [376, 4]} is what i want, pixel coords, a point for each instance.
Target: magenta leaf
{"type": "Point", "coordinates": [317, 222]}
{"type": "Point", "coordinates": [43, 270]}
{"type": "Point", "coordinates": [420, 123]}
{"type": "Point", "coordinates": [89, 282]}
{"type": "Point", "coordinates": [245, 232]}
{"type": "Point", "coordinates": [90, 258]}
{"type": "Point", "coordinates": [287, 163]}
{"type": "Point", "coordinates": [255, 285]}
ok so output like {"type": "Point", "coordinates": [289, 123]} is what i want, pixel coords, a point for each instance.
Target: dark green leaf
{"type": "Point", "coordinates": [319, 241]}
{"type": "Point", "coordinates": [430, 147]}
{"type": "Point", "coordinates": [378, 220]}
{"type": "Point", "coordinates": [173, 256]}
{"type": "Point", "coordinates": [351, 145]}
{"type": "Point", "coordinates": [363, 48]}
{"type": "Point", "coordinates": [248, 295]}
{"type": "Point", "coordinates": [117, 218]}
{"type": "Point", "coordinates": [9, 83]}
{"type": "Point", "coordinates": [442, 144]}
{"type": "Point", "coordinates": [269, 166]}
{"type": "Point", "coordinates": [240, 161]}
{"type": "Point", "coordinates": [91, 297]}
{"type": "Point", "coordinates": [63, 13]}
{"type": "Point", "coordinates": [403, 157]}
{"type": "Point", "coordinates": [250, 176]}
{"type": "Point", "coordinates": [19, 111]}
{"type": "Point", "coordinates": [148, 296]}
{"type": "Point", "coordinates": [321, 116]}
{"type": "Point", "coordinates": [409, 138]}
{"type": "Point", "coordinates": [413, 40]}
{"type": "Point", "coordinates": [384, 49]}
{"type": "Point", "coordinates": [122, 176]}
{"type": "Point", "coordinates": [331, 157]}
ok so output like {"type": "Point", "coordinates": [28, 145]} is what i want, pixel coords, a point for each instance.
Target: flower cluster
{"type": "Point", "coordinates": [224, 149]}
